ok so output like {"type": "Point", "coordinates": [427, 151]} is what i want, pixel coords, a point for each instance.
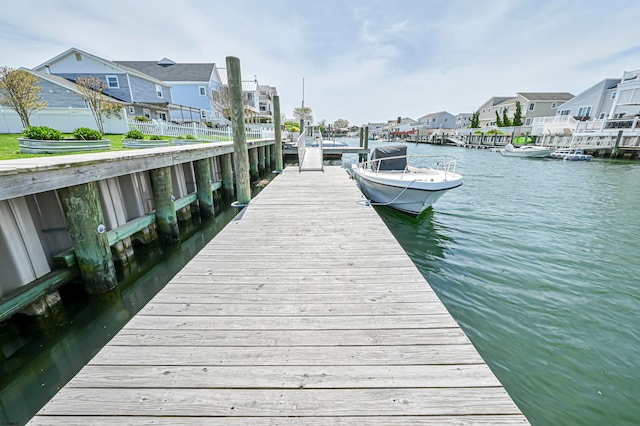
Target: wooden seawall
{"type": "Point", "coordinates": [303, 310]}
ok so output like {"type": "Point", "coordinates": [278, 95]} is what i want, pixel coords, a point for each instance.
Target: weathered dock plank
{"type": "Point", "coordinates": [304, 310]}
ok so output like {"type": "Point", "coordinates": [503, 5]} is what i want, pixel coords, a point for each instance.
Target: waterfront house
{"type": "Point", "coordinates": [266, 103]}
{"type": "Point", "coordinates": [539, 104]}
{"type": "Point", "coordinates": [463, 120]}
{"type": "Point", "coordinates": [488, 109]}
{"type": "Point", "coordinates": [196, 88]}
{"type": "Point", "coordinates": [593, 103]}
{"type": "Point", "coordinates": [437, 120]}
{"type": "Point", "coordinates": [143, 94]}
{"type": "Point", "coordinates": [250, 96]}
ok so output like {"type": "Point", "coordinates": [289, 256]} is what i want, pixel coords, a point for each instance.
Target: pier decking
{"type": "Point", "coordinates": [305, 309]}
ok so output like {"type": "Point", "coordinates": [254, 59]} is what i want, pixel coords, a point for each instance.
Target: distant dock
{"type": "Point", "coordinates": [303, 310]}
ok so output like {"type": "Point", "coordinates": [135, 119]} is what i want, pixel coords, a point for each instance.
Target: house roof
{"type": "Point", "coordinates": [67, 84]}
{"type": "Point", "coordinates": [104, 61]}
{"type": "Point", "coordinates": [546, 96]}
{"type": "Point", "coordinates": [169, 71]}
{"type": "Point", "coordinates": [433, 114]}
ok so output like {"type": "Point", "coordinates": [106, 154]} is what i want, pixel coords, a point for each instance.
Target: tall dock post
{"type": "Point", "coordinates": [226, 163]}
{"type": "Point", "coordinates": [361, 156]}
{"type": "Point", "coordinates": [365, 142]}
{"type": "Point", "coordinates": [614, 151]}
{"type": "Point", "coordinates": [241, 156]}
{"type": "Point", "coordinates": [254, 171]}
{"type": "Point", "coordinates": [278, 133]}
{"type": "Point", "coordinates": [83, 212]}
{"type": "Point", "coordinates": [165, 210]}
{"type": "Point", "coordinates": [203, 184]}
{"type": "Point", "coordinates": [262, 166]}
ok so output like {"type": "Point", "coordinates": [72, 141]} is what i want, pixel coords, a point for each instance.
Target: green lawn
{"type": "Point", "coordinates": [10, 150]}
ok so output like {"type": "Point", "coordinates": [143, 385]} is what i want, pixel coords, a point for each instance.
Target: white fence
{"type": "Point", "coordinates": [64, 119]}
{"type": "Point", "coordinates": [197, 130]}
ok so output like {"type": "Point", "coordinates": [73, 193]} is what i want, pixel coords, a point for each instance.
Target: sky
{"type": "Point", "coordinates": [364, 61]}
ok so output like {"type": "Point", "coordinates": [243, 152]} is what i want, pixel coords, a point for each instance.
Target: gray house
{"type": "Point", "coordinates": [196, 88]}
{"type": "Point", "coordinates": [143, 94]}
{"type": "Point", "coordinates": [593, 103]}
{"type": "Point", "coordinates": [438, 120]}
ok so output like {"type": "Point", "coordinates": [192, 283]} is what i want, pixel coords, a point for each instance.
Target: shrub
{"type": "Point", "coordinates": [87, 134]}
{"type": "Point", "coordinates": [142, 118]}
{"type": "Point", "coordinates": [190, 137]}
{"type": "Point", "coordinates": [180, 137]}
{"type": "Point", "coordinates": [155, 137]}
{"type": "Point", "coordinates": [42, 133]}
{"type": "Point", "coordinates": [134, 134]}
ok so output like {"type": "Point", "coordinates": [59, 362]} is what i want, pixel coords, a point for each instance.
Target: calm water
{"type": "Point", "coordinates": [539, 262]}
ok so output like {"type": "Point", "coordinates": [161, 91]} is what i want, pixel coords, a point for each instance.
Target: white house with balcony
{"type": "Point", "coordinates": [437, 120]}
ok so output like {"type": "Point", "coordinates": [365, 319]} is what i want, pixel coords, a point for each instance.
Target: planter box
{"type": "Point", "coordinates": [144, 143]}
{"type": "Point", "coordinates": [185, 141]}
{"type": "Point", "coordinates": [35, 146]}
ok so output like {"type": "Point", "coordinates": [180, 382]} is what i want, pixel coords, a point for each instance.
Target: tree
{"type": "Point", "coordinates": [19, 91]}
{"type": "Point", "coordinates": [475, 120]}
{"type": "Point", "coordinates": [92, 91]}
{"type": "Point", "coordinates": [517, 118]}
{"type": "Point", "coordinates": [505, 120]}
{"type": "Point", "coordinates": [341, 123]}
{"type": "Point", "coordinates": [498, 120]}
{"type": "Point", "coordinates": [305, 115]}
{"type": "Point", "coordinates": [291, 126]}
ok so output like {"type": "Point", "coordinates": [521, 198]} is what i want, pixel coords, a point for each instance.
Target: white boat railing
{"type": "Point", "coordinates": [302, 148]}
{"type": "Point", "coordinates": [439, 164]}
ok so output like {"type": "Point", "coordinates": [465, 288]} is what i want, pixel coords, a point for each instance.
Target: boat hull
{"type": "Point", "coordinates": [527, 152]}
{"type": "Point", "coordinates": [410, 196]}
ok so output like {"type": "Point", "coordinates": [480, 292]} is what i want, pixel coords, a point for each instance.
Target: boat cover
{"type": "Point", "coordinates": [390, 151]}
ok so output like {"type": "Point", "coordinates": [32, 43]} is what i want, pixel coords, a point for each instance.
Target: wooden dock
{"type": "Point", "coordinates": [303, 310]}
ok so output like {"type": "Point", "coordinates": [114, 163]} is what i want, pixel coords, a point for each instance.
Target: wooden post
{"type": "Point", "coordinates": [262, 160]}
{"type": "Point", "coordinates": [83, 212]}
{"type": "Point", "coordinates": [226, 163]}
{"type": "Point", "coordinates": [241, 157]}
{"type": "Point", "coordinates": [278, 133]}
{"type": "Point", "coordinates": [614, 151]}
{"type": "Point", "coordinates": [361, 156]}
{"type": "Point", "coordinates": [203, 185]}
{"type": "Point", "coordinates": [166, 218]}
{"type": "Point", "coordinates": [253, 163]}
{"type": "Point", "coordinates": [366, 141]}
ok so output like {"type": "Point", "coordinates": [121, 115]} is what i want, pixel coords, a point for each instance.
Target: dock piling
{"type": "Point", "coordinates": [278, 133]}
{"type": "Point", "coordinates": [166, 217]}
{"type": "Point", "coordinates": [83, 213]}
{"type": "Point", "coordinates": [203, 184]}
{"type": "Point", "coordinates": [241, 157]}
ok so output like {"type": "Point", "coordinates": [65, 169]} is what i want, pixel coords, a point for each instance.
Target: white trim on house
{"type": "Point", "coordinates": [112, 79]}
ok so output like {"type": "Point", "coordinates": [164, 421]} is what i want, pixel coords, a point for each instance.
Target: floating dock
{"type": "Point", "coordinates": [303, 310]}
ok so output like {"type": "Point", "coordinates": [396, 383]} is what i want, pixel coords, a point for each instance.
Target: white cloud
{"type": "Point", "coordinates": [361, 60]}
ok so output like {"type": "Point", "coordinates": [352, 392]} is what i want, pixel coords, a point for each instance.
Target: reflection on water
{"type": "Point", "coordinates": [39, 355]}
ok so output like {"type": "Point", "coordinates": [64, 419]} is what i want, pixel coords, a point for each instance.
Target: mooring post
{"type": "Point", "coordinates": [226, 163]}
{"type": "Point", "coordinates": [361, 156]}
{"type": "Point", "coordinates": [253, 163]}
{"type": "Point", "coordinates": [278, 133]}
{"type": "Point", "coordinates": [262, 160]}
{"type": "Point", "coordinates": [203, 184]}
{"type": "Point", "coordinates": [83, 212]}
{"type": "Point", "coordinates": [241, 157]}
{"type": "Point", "coordinates": [166, 218]}
{"type": "Point", "coordinates": [366, 141]}
{"type": "Point", "coordinates": [614, 151]}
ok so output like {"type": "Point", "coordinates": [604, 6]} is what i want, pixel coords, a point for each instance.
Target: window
{"type": "Point", "coordinates": [584, 111]}
{"type": "Point", "coordinates": [619, 115]}
{"type": "Point", "coordinates": [112, 82]}
{"type": "Point", "coordinates": [161, 115]}
{"type": "Point", "coordinates": [554, 105]}
{"type": "Point", "coordinates": [601, 115]}
{"type": "Point", "coordinates": [203, 90]}
{"type": "Point", "coordinates": [132, 110]}
{"type": "Point", "coordinates": [483, 110]}
{"type": "Point", "coordinates": [203, 113]}
{"type": "Point", "coordinates": [532, 106]}
{"type": "Point", "coordinates": [613, 95]}
{"type": "Point", "coordinates": [528, 122]}
{"type": "Point", "coordinates": [159, 90]}
{"type": "Point", "coordinates": [78, 56]}
{"type": "Point", "coordinates": [565, 112]}
{"type": "Point", "coordinates": [146, 112]}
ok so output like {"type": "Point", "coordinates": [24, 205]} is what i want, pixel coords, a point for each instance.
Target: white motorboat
{"type": "Point", "coordinates": [527, 151]}
{"type": "Point", "coordinates": [571, 154]}
{"type": "Point", "coordinates": [389, 178]}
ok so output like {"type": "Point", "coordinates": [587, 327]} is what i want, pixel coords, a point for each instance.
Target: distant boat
{"type": "Point", "coordinates": [571, 154]}
{"type": "Point", "coordinates": [328, 143]}
{"type": "Point", "coordinates": [527, 151]}
{"type": "Point", "coordinates": [388, 179]}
